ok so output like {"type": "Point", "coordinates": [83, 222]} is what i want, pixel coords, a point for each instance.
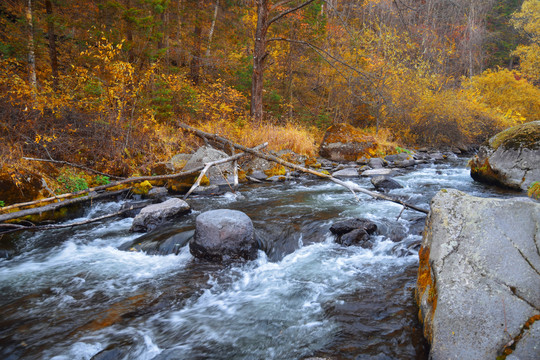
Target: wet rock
{"type": "Point", "coordinates": [160, 242]}
{"type": "Point", "coordinates": [356, 237]}
{"type": "Point", "coordinates": [376, 172]}
{"type": "Point", "coordinates": [349, 172]}
{"type": "Point", "coordinates": [277, 178]}
{"type": "Point", "coordinates": [153, 216]}
{"type": "Point", "coordinates": [478, 279]}
{"type": "Point", "coordinates": [222, 235]}
{"type": "Point", "coordinates": [343, 142]}
{"type": "Point", "coordinates": [377, 163]}
{"type": "Point", "coordinates": [207, 190]}
{"type": "Point", "coordinates": [354, 232]}
{"type": "Point", "coordinates": [385, 183]}
{"type": "Point", "coordinates": [158, 193]}
{"type": "Point", "coordinates": [404, 163]}
{"type": "Point", "coordinates": [258, 175]}
{"type": "Point", "coordinates": [346, 226]}
{"type": "Point", "coordinates": [436, 156]}
{"type": "Point", "coordinates": [511, 158]}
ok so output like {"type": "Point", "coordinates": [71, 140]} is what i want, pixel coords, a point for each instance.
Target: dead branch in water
{"type": "Point", "coordinates": [350, 186]}
{"type": "Point", "coordinates": [11, 228]}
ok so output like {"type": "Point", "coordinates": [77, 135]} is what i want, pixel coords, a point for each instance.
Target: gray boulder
{"type": "Point", "coordinates": [511, 158]}
{"type": "Point", "coordinates": [377, 163]}
{"type": "Point", "coordinates": [479, 276]}
{"type": "Point", "coordinates": [222, 235]}
{"type": "Point", "coordinates": [152, 216]}
{"type": "Point", "coordinates": [219, 174]}
{"type": "Point", "coordinates": [385, 183]}
{"type": "Point", "coordinates": [376, 172]}
{"type": "Point", "coordinates": [348, 172]}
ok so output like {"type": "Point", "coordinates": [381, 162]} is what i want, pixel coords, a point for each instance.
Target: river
{"type": "Point", "coordinates": [72, 294]}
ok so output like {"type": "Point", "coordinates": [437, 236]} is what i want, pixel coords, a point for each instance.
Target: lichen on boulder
{"type": "Point", "coordinates": [510, 159]}
{"type": "Point", "coordinates": [478, 281]}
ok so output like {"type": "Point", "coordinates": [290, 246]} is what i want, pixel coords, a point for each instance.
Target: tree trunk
{"type": "Point", "coordinates": [259, 59]}
{"type": "Point", "coordinates": [195, 64]}
{"type": "Point", "coordinates": [211, 33]}
{"type": "Point", "coordinates": [52, 43]}
{"type": "Point", "coordinates": [31, 52]}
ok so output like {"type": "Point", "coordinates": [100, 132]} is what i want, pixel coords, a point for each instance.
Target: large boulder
{"type": "Point", "coordinates": [478, 284]}
{"type": "Point", "coordinates": [217, 175]}
{"type": "Point", "coordinates": [343, 142]}
{"type": "Point", "coordinates": [511, 158]}
{"type": "Point", "coordinates": [152, 216]}
{"type": "Point", "coordinates": [223, 235]}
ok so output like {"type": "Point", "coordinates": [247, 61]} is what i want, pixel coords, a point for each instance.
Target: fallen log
{"type": "Point", "coordinates": [94, 190]}
{"type": "Point", "coordinates": [54, 206]}
{"type": "Point", "coordinates": [11, 228]}
{"type": "Point", "coordinates": [101, 187]}
{"type": "Point", "coordinates": [352, 187]}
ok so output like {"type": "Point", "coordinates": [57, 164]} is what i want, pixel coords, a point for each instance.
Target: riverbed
{"type": "Point", "coordinates": [72, 294]}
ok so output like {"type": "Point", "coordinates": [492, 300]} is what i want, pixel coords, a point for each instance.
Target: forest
{"type": "Point", "coordinates": [104, 83]}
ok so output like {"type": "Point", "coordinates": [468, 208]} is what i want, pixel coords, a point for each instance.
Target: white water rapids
{"type": "Point", "coordinates": [71, 294]}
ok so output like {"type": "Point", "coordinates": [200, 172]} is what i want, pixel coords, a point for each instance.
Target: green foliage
{"type": "Point", "coordinates": [2, 203]}
{"type": "Point", "coordinates": [102, 180]}
{"type": "Point", "coordinates": [71, 182]}
{"type": "Point", "coordinates": [400, 150]}
{"type": "Point", "coordinates": [534, 190]}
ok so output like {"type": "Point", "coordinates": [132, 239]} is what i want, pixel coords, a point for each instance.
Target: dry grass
{"type": "Point", "coordinates": [293, 137]}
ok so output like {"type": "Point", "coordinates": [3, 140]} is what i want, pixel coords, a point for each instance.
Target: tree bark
{"type": "Point", "coordinates": [52, 43]}
{"type": "Point", "coordinates": [195, 64]}
{"type": "Point", "coordinates": [259, 59]}
{"type": "Point", "coordinates": [212, 27]}
{"type": "Point", "coordinates": [31, 51]}
{"type": "Point", "coordinates": [259, 52]}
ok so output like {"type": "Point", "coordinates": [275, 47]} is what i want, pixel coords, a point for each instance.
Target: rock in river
{"type": "Point", "coordinates": [385, 183]}
{"type": "Point", "coordinates": [478, 283]}
{"type": "Point", "coordinates": [222, 235]}
{"type": "Point", "coordinates": [152, 216]}
{"type": "Point", "coordinates": [511, 158]}
{"type": "Point", "coordinates": [354, 232]}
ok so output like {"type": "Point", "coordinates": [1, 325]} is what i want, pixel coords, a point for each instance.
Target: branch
{"type": "Point", "coordinates": [352, 187]}
{"type": "Point", "coordinates": [75, 166]}
{"type": "Point", "coordinates": [102, 187]}
{"type": "Point", "coordinates": [54, 206]}
{"type": "Point", "coordinates": [218, 162]}
{"type": "Point", "coordinates": [285, 13]}
{"type": "Point", "coordinates": [17, 227]}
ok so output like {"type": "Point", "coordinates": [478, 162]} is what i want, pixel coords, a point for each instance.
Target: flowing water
{"type": "Point", "coordinates": [72, 294]}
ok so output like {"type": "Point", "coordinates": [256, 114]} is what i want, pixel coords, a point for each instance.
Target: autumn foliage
{"type": "Point", "coordinates": [123, 73]}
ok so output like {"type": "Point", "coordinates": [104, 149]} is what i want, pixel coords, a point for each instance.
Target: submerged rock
{"type": "Point", "coordinates": [511, 158]}
{"type": "Point", "coordinates": [222, 235]}
{"type": "Point", "coordinates": [385, 183]}
{"type": "Point", "coordinates": [153, 216]}
{"type": "Point", "coordinates": [354, 232]}
{"type": "Point", "coordinates": [479, 276]}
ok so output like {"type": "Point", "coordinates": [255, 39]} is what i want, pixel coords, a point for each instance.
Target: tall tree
{"type": "Point", "coordinates": [31, 50]}
{"type": "Point", "coordinates": [52, 43]}
{"type": "Point", "coordinates": [260, 55]}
